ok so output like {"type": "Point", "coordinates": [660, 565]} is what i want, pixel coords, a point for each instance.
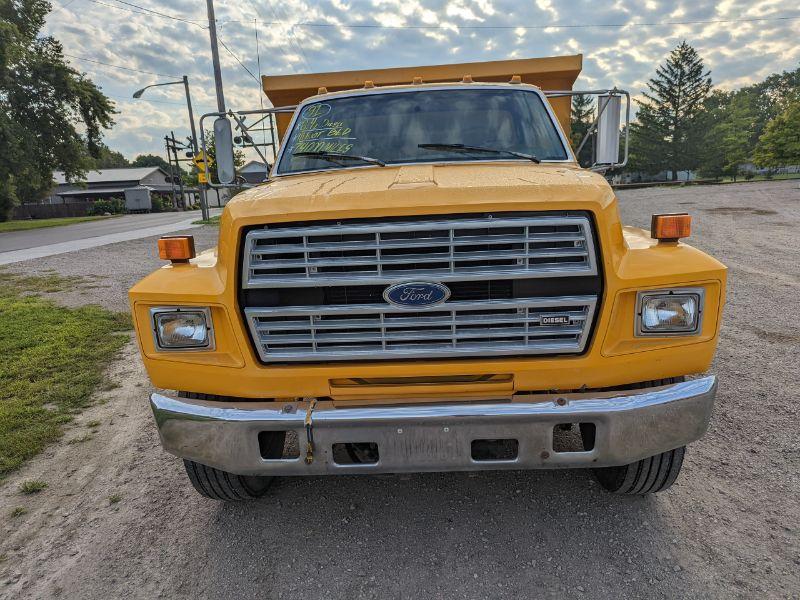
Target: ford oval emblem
{"type": "Point", "coordinates": [416, 294]}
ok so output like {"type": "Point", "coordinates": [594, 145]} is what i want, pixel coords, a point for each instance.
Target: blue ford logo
{"type": "Point", "coordinates": [416, 294]}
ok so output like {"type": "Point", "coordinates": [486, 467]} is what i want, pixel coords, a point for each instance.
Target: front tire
{"type": "Point", "coordinates": [646, 476]}
{"type": "Point", "coordinates": [227, 487]}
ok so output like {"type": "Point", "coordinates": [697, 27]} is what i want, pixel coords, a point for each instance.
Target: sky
{"type": "Point", "coordinates": [741, 42]}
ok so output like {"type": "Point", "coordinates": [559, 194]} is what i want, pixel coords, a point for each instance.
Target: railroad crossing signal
{"type": "Point", "coordinates": [199, 161]}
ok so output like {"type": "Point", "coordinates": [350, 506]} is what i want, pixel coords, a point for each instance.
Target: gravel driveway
{"type": "Point", "coordinates": [728, 528]}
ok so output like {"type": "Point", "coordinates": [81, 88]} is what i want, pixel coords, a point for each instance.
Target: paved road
{"type": "Point", "coordinates": [17, 246]}
{"type": "Point", "coordinates": [727, 529]}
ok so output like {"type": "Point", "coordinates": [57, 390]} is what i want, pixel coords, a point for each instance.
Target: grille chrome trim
{"type": "Point", "coordinates": [454, 329]}
{"type": "Point", "coordinates": [527, 248]}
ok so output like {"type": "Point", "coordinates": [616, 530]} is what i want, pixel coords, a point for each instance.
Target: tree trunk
{"type": "Point", "coordinates": [674, 174]}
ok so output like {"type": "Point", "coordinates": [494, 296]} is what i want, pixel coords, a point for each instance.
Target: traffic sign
{"type": "Point", "coordinates": [199, 161]}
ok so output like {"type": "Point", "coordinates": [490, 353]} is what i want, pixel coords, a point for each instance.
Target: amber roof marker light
{"type": "Point", "coordinates": [670, 227]}
{"type": "Point", "coordinates": [176, 248]}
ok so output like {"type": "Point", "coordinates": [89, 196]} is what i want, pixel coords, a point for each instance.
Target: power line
{"type": "Point", "coordinates": [60, 8]}
{"type": "Point", "coordinates": [224, 45]}
{"type": "Point", "coordinates": [160, 14]}
{"type": "Point", "coordinates": [150, 100]}
{"type": "Point", "coordinates": [141, 10]}
{"type": "Point", "coordinates": [281, 47]}
{"type": "Point", "coordinates": [526, 27]}
{"type": "Point", "coordinates": [291, 36]}
{"type": "Point", "coordinates": [100, 62]}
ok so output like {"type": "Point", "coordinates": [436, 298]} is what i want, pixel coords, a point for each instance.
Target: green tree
{"type": "Point", "coordinates": [109, 159]}
{"type": "Point", "coordinates": [715, 110]}
{"type": "Point", "coordinates": [780, 144]}
{"type": "Point", "coordinates": [44, 106]}
{"type": "Point", "coordinates": [581, 121]}
{"type": "Point", "coordinates": [667, 134]}
{"type": "Point", "coordinates": [773, 96]}
{"type": "Point", "coordinates": [150, 160]}
{"type": "Point", "coordinates": [731, 125]}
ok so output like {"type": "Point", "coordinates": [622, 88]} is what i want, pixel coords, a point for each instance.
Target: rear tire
{"type": "Point", "coordinates": [221, 485]}
{"type": "Point", "coordinates": [647, 476]}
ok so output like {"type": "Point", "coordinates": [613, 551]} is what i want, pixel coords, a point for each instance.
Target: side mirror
{"type": "Point", "coordinates": [609, 107]}
{"type": "Point", "coordinates": [223, 143]}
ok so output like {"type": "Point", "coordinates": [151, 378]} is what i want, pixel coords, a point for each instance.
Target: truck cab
{"type": "Point", "coordinates": [429, 281]}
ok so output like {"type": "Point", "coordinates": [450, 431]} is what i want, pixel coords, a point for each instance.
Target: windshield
{"type": "Point", "coordinates": [422, 126]}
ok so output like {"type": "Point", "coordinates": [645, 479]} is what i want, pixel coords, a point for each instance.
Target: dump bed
{"type": "Point", "coordinates": [551, 73]}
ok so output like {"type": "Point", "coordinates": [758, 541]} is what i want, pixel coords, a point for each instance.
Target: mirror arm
{"type": "Point", "coordinates": [239, 117]}
{"type": "Point", "coordinates": [591, 130]}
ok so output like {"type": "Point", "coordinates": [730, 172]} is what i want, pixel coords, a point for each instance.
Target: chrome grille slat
{"type": "Point", "coordinates": [383, 331]}
{"type": "Point", "coordinates": [421, 258]}
{"type": "Point", "coordinates": [421, 225]}
{"type": "Point", "coordinates": [511, 248]}
{"type": "Point", "coordinates": [437, 334]}
{"type": "Point", "coordinates": [382, 321]}
{"type": "Point", "coordinates": [421, 243]}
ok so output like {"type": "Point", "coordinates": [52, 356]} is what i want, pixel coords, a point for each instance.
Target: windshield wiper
{"type": "Point", "coordinates": [335, 157]}
{"type": "Point", "coordinates": [464, 148]}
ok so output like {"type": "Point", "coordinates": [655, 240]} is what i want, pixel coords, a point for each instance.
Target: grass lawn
{"type": "Point", "coordinates": [211, 221]}
{"type": "Point", "coordinates": [6, 226]}
{"type": "Point", "coordinates": [53, 359]}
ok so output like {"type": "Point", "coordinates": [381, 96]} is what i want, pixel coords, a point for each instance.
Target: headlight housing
{"type": "Point", "coordinates": [182, 328]}
{"type": "Point", "coordinates": [669, 312]}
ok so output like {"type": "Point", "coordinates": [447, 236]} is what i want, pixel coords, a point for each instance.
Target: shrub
{"type": "Point", "coordinates": [114, 206]}
{"type": "Point", "coordinates": [157, 205]}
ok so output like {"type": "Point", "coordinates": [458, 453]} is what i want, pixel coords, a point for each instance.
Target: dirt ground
{"type": "Point", "coordinates": [730, 527]}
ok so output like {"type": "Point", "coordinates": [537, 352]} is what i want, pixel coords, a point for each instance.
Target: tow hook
{"type": "Point", "coordinates": [310, 432]}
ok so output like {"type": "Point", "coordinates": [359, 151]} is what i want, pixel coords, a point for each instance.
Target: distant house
{"type": "Point", "coordinates": [749, 167]}
{"type": "Point", "coordinates": [254, 172]}
{"type": "Point", "coordinates": [641, 177]}
{"type": "Point", "coordinates": [112, 183]}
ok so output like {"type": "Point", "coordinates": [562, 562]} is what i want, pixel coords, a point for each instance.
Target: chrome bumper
{"type": "Point", "coordinates": [437, 437]}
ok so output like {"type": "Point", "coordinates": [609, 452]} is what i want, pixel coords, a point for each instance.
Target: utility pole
{"type": "Point", "coordinates": [182, 201]}
{"type": "Point", "coordinates": [171, 170]}
{"type": "Point", "coordinates": [212, 31]}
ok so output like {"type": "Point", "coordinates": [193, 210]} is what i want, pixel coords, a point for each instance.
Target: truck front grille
{"type": "Point", "coordinates": [521, 284]}
{"type": "Point", "coordinates": [447, 250]}
{"type": "Point", "coordinates": [454, 329]}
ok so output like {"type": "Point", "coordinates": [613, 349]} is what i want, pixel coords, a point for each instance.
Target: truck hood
{"type": "Point", "coordinates": [421, 189]}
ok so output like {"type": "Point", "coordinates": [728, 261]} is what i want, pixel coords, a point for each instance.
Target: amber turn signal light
{"type": "Point", "coordinates": [671, 228]}
{"type": "Point", "coordinates": [177, 248]}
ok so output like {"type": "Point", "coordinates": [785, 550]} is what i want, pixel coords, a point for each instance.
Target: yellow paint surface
{"type": "Point", "coordinates": [630, 261]}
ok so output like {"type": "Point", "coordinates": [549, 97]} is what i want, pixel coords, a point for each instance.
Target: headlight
{"type": "Point", "coordinates": [670, 312]}
{"type": "Point", "coordinates": [182, 328]}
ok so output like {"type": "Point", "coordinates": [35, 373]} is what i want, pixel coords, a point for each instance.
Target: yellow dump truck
{"type": "Point", "coordinates": [429, 281]}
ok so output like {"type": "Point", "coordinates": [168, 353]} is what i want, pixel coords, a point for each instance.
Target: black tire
{"type": "Point", "coordinates": [647, 476]}
{"type": "Point", "coordinates": [221, 485]}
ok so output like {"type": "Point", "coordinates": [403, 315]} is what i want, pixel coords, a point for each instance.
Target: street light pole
{"type": "Point", "coordinates": [196, 149]}
{"type": "Point", "coordinates": [195, 146]}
